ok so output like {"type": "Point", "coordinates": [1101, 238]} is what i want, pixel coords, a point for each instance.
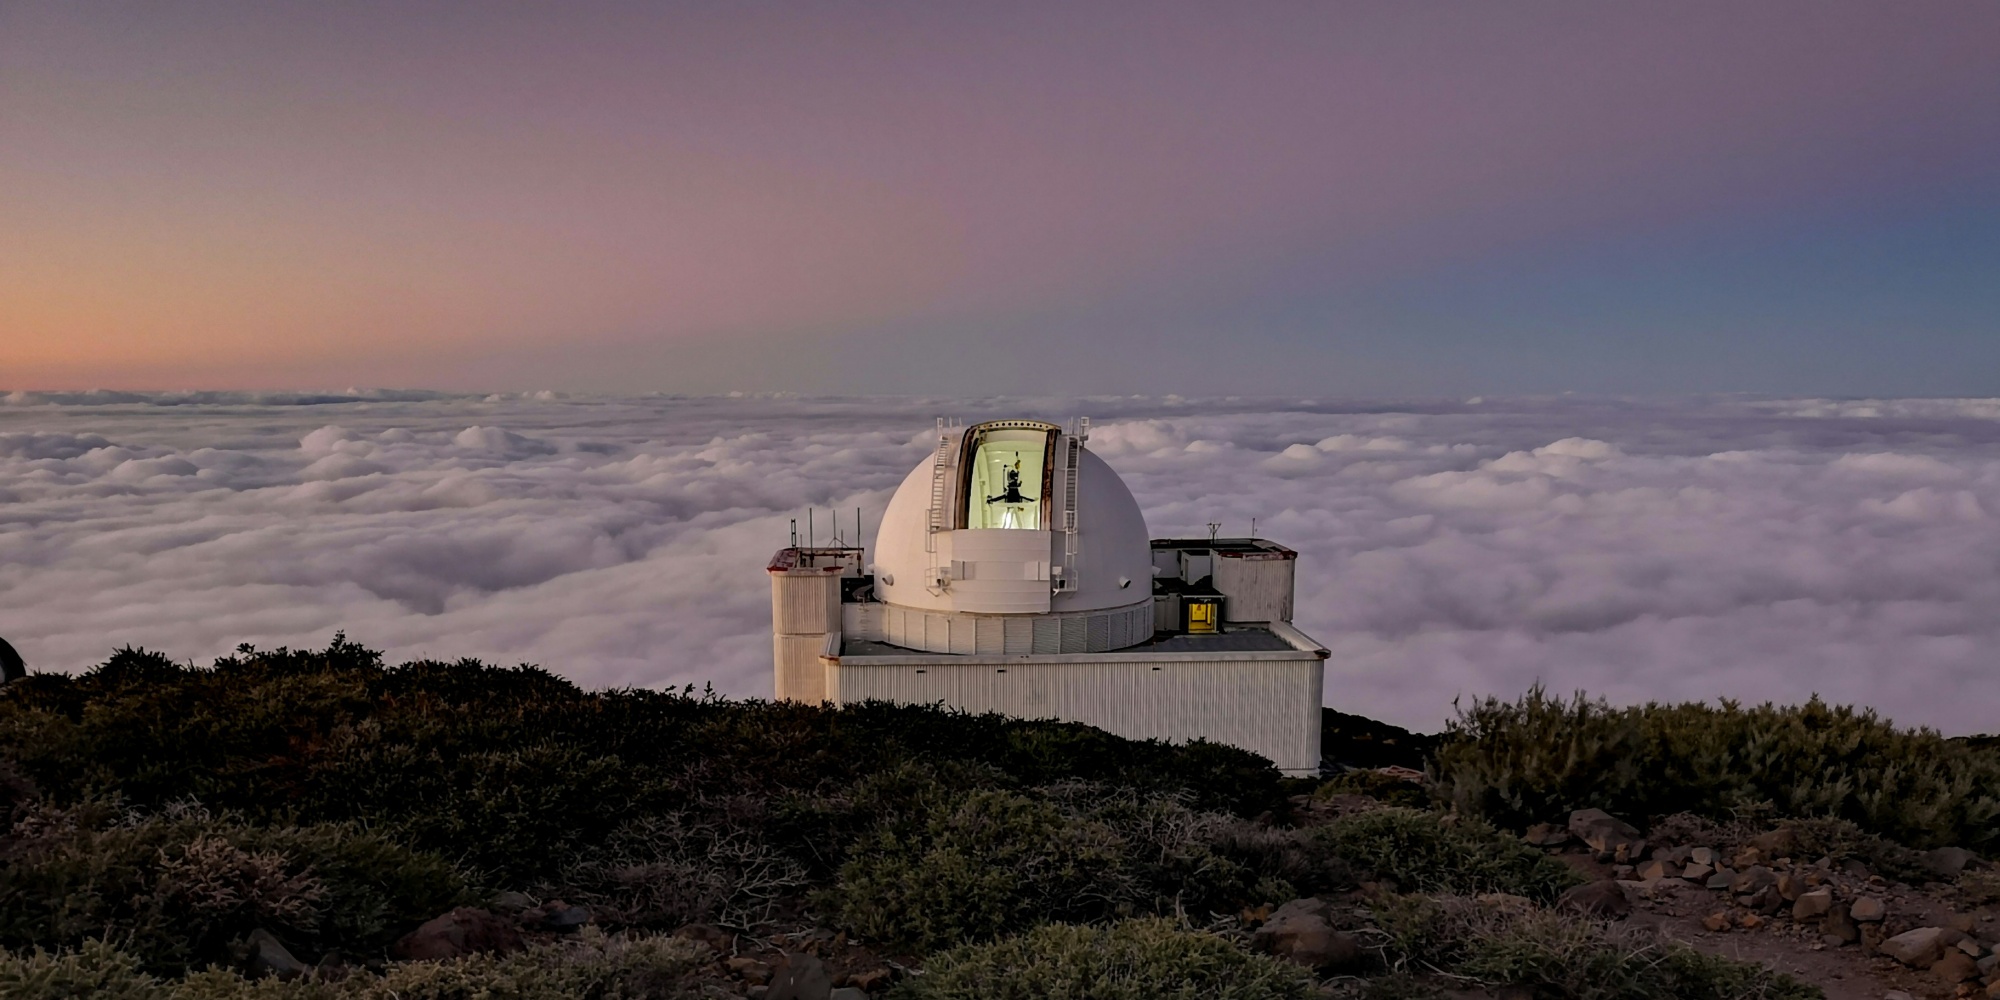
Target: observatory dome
{"type": "Point", "coordinates": [1017, 517]}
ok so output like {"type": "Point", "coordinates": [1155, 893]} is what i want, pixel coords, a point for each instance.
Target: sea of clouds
{"type": "Point", "coordinates": [1696, 549]}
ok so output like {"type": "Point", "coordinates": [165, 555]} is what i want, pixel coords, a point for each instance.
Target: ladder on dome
{"type": "Point", "coordinates": [1072, 458]}
{"type": "Point", "coordinates": [940, 484]}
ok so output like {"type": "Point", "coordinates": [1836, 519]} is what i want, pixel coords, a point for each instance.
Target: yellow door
{"type": "Point", "coordinates": [1201, 617]}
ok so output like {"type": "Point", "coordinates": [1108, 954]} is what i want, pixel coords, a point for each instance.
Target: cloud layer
{"type": "Point", "coordinates": [1755, 549]}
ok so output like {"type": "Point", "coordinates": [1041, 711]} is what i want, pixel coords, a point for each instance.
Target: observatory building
{"type": "Point", "coordinates": [1013, 573]}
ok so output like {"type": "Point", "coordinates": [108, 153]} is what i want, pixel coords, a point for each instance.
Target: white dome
{"type": "Point", "coordinates": [983, 528]}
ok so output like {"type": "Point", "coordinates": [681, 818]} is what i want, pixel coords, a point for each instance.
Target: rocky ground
{"type": "Point", "coordinates": [1854, 933]}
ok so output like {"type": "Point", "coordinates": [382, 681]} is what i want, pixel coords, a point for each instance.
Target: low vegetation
{"type": "Point", "coordinates": [158, 816]}
{"type": "Point", "coordinates": [1539, 757]}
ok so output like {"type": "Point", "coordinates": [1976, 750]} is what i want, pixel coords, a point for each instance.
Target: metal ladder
{"type": "Point", "coordinates": [940, 486]}
{"type": "Point", "coordinates": [1072, 458]}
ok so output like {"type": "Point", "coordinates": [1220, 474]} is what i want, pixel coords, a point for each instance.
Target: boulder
{"type": "Point", "coordinates": [1954, 967]}
{"type": "Point", "coordinates": [1302, 932]}
{"type": "Point", "coordinates": [1840, 925]}
{"type": "Point", "coordinates": [1867, 910]}
{"type": "Point", "coordinates": [1697, 872]}
{"type": "Point", "coordinates": [1702, 856]}
{"type": "Point", "coordinates": [464, 931]}
{"type": "Point", "coordinates": [1722, 879]}
{"type": "Point", "coordinates": [1604, 832]}
{"type": "Point", "coordinates": [265, 955]}
{"type": "Point", "coordinates": [1916, 949]}
{"type": "Point", "coordinates": [1947, 862]}
{"type": "Point", "coordinates": [1813, 905]}
{"type": "Point", "coordinates": [1747, 857]}
{"type": "Point", "coordinates": [1598, 899]}
{"type": "Point", "coordinates": [800, 977]}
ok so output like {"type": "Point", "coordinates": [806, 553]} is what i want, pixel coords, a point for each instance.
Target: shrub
{"type": "Point", "coordinates": [1539, 757]}
{"type": "Point", "coordinates": [177, 886]}
{"type": "Point", "coordinates": [514, 772]}
{"type": "Point", "coordinates": [683, 868]}
{"type": "Point", "coordinates": [591, 967]}
{"type": "Point", "coordinates": [986, 863]}
{"type": "Point", "coordinates": [1423, 851]}
{"type": "Point", "coordinates": [1562, 955]}
{"type": "Point", "coordinates": [1146, 959]}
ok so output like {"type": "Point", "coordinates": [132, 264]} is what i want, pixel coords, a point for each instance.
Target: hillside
{"type": "Point", "coordinates": [317, 824]}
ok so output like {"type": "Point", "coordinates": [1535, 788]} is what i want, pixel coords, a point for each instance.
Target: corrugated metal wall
{"type": "Point", "coordinates": [947, 632]}
{"type": "Point", "coordinates": [1268, 703]}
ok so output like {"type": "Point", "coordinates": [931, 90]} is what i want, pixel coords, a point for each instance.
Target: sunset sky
{"type": "Point", "coordinates": [1345, 197]}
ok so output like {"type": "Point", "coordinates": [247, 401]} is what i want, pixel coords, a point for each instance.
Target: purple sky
{"type": "Point", "coordinates": [1350, 197]}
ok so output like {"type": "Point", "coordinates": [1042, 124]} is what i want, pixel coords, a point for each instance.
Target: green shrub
{"type": "Point", "coordinates": [177, 886]}
{"type": "Point", "coordinates": [1540, 757]}
{"type": "Point", "coordinates": [1375, 785]}
{"type": "Point", "coordinates": [516, 773]}
{"type": "Point", "coordinates": [1564, 956]}
{"type": "Point", "coordinates": [1132, 960]}
{"type": "Point", "coordinates": [1427, 852]}
{"type": "Point", "coordinates": [987, 863]}
{"type": "Point", "coordinates": [591, 967]}
{"type": "Point", "coordinates": [1559, 955]}
{"type": "Point", "coordinates": [95, 971]}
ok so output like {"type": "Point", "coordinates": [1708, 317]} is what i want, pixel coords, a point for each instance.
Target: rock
{"type": "Point", "coordinates": [848, 993]}
{"type": "Point", "coordinates": [1751, 921]}
{"type": "Point", "coordinates": [1747, 857]}
{"type": "Point", "coordinates": [265, 955]}
{"type": "Point", "coordinates": [1854, 867]}
{"type": "Point", "coordinates": [1697, 872]}
{"type": "Point", "coordinates": [1954, 968]}
{"type": "Point", "coordinates": [1839, 924]}
{"type": "Point", "coordinates": [1964, 923]}
{"type": "Point", "coordinates": [870, 979]}
{"type": "Point", "coordinates": [1791, 887]}
{"type": "Point", "coordinates": [1916, 949]}
{"type": "Point", "coordinates": [556, 915]}
{"type": "Point", "coordinates": [1947, 862]}
{"type": "Point", "coordinates": [1300, 932]}
{"type": "Point", "coordinates": [749, 969]}
{"type": "Point", "coordinates": [1604, 832]}
{"type": "Point", "coordinates": [1872, 936]}
{"type": "Point", "coordinates": [1897, 995]}
{"type": "Point", "coordinates": [1833, 940]}
{"type": "Point", "coordinates": [510, 902]}
{"type": "Point", "coordinates": [1813, 905]}
{"type": "Point", "coordinates": [1631, 853]}
{"type": "Point", "coordinates": [1753, 879]}
{"type": "Point", "coordinates": [1780, 843]}
{"type": "Point", "coordinates": [11, 667]}
{"type": "Point", "coordinates": [1546, 835]}
{"type": "Point", "coordinates": [1655, 870]}
{"type": "Point", "coordinates": [1990, 965]}
{"type": "Point", "coordinates": [1722, 879]}
{"type": "Point", "coordinates": [464, 931]}
{"type": "Point", "coordinates": [714, 937]}
{"type": "Point", "coordinates": [1702, 856]}
{"type": "Point", "coordinates": [1718, 921]}
{"type": "Point", "coordinates": [1993, 990]}
{"type": "Point", "coordinates": [1623, 873]}
{"type": "Point", "coordinates": [1597, 899]}
{"type": "Point", "coordinates": [1867, 909]}
{"type": "Point", "coordinates": [800, 977]}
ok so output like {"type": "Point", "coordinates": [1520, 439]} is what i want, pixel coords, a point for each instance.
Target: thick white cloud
{"type": "Point", "coordinates": [1763, 549]}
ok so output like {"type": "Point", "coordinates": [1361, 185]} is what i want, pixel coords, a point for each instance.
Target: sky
{"type": "Point", "coordinates": [1792, 198]}
{"type": "Point", "coordinates": [1757, 548]}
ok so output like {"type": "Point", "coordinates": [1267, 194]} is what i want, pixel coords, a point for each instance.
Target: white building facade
{"type": "Point", "coordinates": [1013, 573]}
